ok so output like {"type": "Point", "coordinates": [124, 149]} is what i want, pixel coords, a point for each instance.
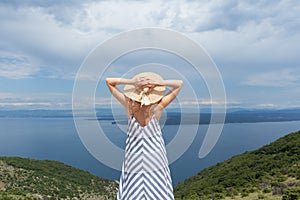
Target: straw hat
{"type": "Point", "coordinates": [146, 96]}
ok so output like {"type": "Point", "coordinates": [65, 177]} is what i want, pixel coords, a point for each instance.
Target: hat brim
{"type": "Point", "coordinates": [156, 93]}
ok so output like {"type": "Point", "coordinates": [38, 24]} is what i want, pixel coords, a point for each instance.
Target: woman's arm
{"type": "Point", "coordinates": [141, 82]}
{"type": "Point", "coordinates": [168, 98]}
{"type": "Point", "coordinates": [112, 86]}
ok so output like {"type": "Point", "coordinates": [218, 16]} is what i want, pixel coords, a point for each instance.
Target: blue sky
{"type": "Point", "coordinates": [255, 45]}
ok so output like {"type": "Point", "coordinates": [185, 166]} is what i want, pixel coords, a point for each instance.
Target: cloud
{"type": "Point", "coordinates": [16, 67]}
{"type": "Point", "coordinates": [41, 3]}
{"type": "Point", "coordinates": [57, 36]}
{"type": "Point", "coordinates": [36, 34]}
{"type": "Point", "coordinates": [282, 78]}
{"type": "Point", "coordinates": [49, 100]}
{"type": "Point", "coordinates": [254, 43]}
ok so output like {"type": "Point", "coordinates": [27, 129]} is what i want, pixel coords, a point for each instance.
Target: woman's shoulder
{"type": "Point", "coordinates": [156, 109]}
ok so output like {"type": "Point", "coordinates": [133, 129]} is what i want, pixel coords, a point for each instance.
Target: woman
{"type": "Point", "coordinates": [145, 171]}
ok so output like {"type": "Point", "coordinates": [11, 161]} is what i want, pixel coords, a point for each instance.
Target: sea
{"type": "Point", "coordinates": [57, 139]}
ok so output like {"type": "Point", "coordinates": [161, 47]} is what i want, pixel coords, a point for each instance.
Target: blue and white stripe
{"type": "Point", "coordinates": [145, 172]}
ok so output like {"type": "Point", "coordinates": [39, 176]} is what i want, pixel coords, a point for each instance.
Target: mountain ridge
{"type": "Point", "coordinates": [23, 178]}
{"type": "Point", "coordinates": [270, 172]}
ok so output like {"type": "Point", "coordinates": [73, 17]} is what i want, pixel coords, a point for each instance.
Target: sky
{"type": "Point", "coordinates": [254, 44]}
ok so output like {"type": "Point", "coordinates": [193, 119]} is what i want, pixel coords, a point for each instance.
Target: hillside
{"type": "Point", "coordinates": [22, 178]}
{"type": "Point", "coordinates": [271, 172]}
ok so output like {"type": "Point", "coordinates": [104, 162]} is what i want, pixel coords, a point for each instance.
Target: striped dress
{"type": "Point", "coordinates": [145, 172]}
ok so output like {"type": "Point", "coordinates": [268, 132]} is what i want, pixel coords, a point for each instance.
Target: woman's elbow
{"type": "Point", "coordinates": [180, 83]}
{"type": "Point", "coordinates": [108, 81]}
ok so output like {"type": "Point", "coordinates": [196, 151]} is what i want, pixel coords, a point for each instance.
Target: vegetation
{"type": "Point", "coordinates": [22, 178]}
{"type": "Point", "coordinates": [271, 172]}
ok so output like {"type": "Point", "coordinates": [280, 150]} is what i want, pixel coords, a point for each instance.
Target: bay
{"type": "Point", "coordinates": [57, 139]}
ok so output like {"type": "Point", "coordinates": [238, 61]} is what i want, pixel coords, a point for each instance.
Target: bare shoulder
{"type": "Point", "coordinates": [157, 110]}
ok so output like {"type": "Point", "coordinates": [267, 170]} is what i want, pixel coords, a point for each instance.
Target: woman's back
{"type": "Point", "coordinates": [145, 171]}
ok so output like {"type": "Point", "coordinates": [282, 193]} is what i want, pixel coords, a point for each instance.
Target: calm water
{"type": "Point", "coordinates": [57, 139]}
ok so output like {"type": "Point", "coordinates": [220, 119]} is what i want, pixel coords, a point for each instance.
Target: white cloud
{"type": "Point", "coordinates": [250, 41]}
{"type": "Point", "coordinates": [10, 100]}
{"type": "Point", "coordinates": [36, 34]}
{"type": "Point", "coordinates": [282, 78]}
{"type": "Point", "coordinates": [59, 36]}
{"type": "Point", "coordinates": [6, 95]}
{"type": "Point", "coordinates": [16, 67]}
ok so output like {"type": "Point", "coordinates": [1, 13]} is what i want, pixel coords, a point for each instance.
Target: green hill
{"type": "Point", "coordinates": [271, 172]}
{"type": "Point", "coordinates": [22, 178]}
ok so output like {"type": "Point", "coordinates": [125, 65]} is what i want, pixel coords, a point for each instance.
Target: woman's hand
{"type": "Point", "coordinates": [144, 82]}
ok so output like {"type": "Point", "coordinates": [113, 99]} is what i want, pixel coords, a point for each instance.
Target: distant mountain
{"type": "Point", "coordinates": [271, 172]}
{"type": "Point", "coordinates": [35, 113]}
{"type": "Point", "coordinates": [22, 178]}
{"type": "Point", "coordinates": [264, 115]}
{"type": "Point", "coordinates": [243, 111]}
{"type": "Point", "coordinates": [174, 115]}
